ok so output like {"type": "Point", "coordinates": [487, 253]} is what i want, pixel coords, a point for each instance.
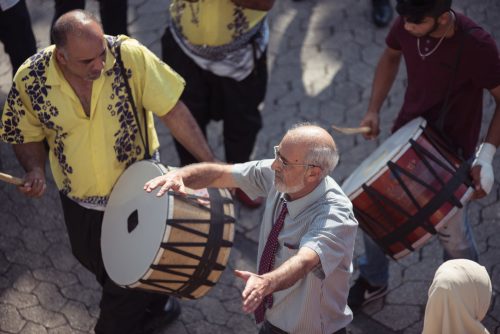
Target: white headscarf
{"type": "Point", "coordinates": [459, 298]}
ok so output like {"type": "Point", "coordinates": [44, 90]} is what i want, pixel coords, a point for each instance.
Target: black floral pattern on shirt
{"type": "Point", "coordinates": [127, 148]}
{"type": "Point", "coordinates": [240, 24]}
{"type": "Point", "coordinates": [13, 113]}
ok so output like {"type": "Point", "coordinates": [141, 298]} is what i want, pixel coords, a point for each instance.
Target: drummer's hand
{"type": "Point", "coordinates": [481, 181]}
{"type": "Point", "coordinates": [171, 180]}
{"type": "Point", "coordinates": [371, 120]}
{"type": "Point", "coordinates": [256, 288]}
{"type": "Point", "coordinates": [34, 184]}
{"type": "Point", "coordinates": [482, 170]}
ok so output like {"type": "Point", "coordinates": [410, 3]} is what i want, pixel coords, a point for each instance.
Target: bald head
{"type": "Point", "coordinates": [76, 23]}
{"type": "Point", "coordinates": [318, 144]}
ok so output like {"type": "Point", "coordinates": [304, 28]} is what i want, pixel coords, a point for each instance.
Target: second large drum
{"type": "Point", "coordinates": [408, 188]}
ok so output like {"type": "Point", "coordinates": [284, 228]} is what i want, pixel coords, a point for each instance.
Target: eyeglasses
{"type": "Point", "coordinates": [285, 164]}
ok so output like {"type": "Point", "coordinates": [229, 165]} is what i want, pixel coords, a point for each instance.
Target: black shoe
{"type": "Point", "coordinates": [381, 12]}
{"type": "Point", "coordinates": [361, 293]}
{"type": "Point", "coordinates": [157, 319]}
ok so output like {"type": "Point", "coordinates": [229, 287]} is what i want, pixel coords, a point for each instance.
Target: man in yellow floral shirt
{"type": "Point", "coordinates": [219, 47]}
{"type": "Point", "coordinates": [73, 96]}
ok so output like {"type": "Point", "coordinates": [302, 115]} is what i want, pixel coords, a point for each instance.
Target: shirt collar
{"type": "Point", "coordinates": [297, 206]}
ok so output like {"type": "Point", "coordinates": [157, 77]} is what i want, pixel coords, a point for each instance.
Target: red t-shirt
{"type": "Point", "coordinates": [429, 79]}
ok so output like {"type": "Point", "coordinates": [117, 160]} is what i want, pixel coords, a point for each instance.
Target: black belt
{"type": "Point", "coordinates": [269, 328]}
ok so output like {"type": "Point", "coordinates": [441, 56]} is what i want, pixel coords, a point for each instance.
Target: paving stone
{"type": "Point", "coordinates": [190, 315]}
{"type": "Point", "coordinates": [9, 245]}
{"type": "Point", "coordinates": [64, 330]}
{"type": "Point", "coordinates": [86, 277]}
{"type": "Point", "coordinates": [19, 299]}
{"type": "Point", "coordinates": [239, 323]}
{"type": "Point", "coordinates": [424, 270]}
{"type": "Point", "coordinates": [61, 257]}
{"type": "Point", "coordinates": [80, 294]}
{"type": "Point", "coordinates": [49, 296]}
{"type": "Point", "coordinates": [176, 327]}
{"type": "Point", "coordinates": [491, 211]}
{"type": "Point", "coordinates": [44, 317]}
{"type": "Point", "coordinates": [415, 328]}
{"type": "Point", "coordinates": [52, 275]}
{"type": "Point", "coordinates": [30, 259]}
{"type": "Point", "coordinates": [34, 240]}
{"type": "Point", "coordinates": [409, 293]}
{"type": "Point", "coordinates": [9, 225]}
{"type": "Point", "coordinates": [202, 327]}
{"type": "Point", "coordinates": [32, 328]}
{"type": "Point", "coordinates": [398, 317]}
{"type": "Point", "coordinates": [224, 292]}
{"type": "Point", "coordinates": [213, 310]}
{"type": "Point", "coordinates": [78, 316]}
{"type": "Point", "coordinates": [11, 322]}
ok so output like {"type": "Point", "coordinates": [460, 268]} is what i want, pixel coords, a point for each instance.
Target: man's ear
{"type": "Point", "coordinates": [313, 173]}
{"type": "Point", "coordinates": [444, 19]}
{"type": "Point", "coordinates": [60, 57]}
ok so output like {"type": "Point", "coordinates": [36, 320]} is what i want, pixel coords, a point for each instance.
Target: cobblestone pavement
{"type": "Point", "coordinates": [322, 56]}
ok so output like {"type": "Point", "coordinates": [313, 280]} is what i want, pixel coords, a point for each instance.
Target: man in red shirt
{"type": "Point", "coordinates": [429, 35]}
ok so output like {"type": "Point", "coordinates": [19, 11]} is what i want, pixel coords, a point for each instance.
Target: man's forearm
{"type": "Point", "coordinates": [203, 175]}
{"type": "Point", "coordinates": [292, 270]}
{"type": "Point", "coordinates": [385, 74]}
{"type": "Point", "coordinates": [184, 128]}
{"type": "Point", "coordinates": [31, 156]}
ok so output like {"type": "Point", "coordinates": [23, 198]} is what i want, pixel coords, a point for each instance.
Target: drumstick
{"type": "Point", "coordinates": [11, 179]}
{"type": "Point", "coordinates": [352, 131]}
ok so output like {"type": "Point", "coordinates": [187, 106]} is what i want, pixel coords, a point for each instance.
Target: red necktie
{"type": "Point", "coordinates": [267, 261]}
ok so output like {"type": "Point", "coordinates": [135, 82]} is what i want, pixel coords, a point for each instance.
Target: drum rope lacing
{"type": "Point", "coordinates": [208, 261]}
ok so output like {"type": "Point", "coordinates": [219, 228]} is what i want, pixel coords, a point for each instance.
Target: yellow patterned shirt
{"type": "Point", "coordinates": [213, 22]}
{"type": "Point", "coordinates": [88, 154]}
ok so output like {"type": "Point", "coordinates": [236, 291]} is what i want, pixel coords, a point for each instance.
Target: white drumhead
{"type": "Point", "coordinates": [390, 149]}
{"type": "Point", "coordinates": [128, 255]}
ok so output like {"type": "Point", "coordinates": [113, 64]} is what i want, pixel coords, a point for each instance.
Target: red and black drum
{"type": "Point", "coordinates": [408, 188]}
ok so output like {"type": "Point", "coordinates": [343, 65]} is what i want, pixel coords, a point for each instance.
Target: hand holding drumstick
{"type": "Point", "coordinates": [33, 185]}
{"type": "Point", "coordinates": [368, 123]}
{"type": "Point", "coordinates": [371, 120]}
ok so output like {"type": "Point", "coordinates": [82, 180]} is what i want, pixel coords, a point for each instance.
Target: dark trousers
{"type": "Point", "coordinates": [122, 310]}
{"type": "Point", "coordinates": [113, 13]}
{"type": "Point", "coordinates": [211, 97]}
{"type": "Point", "coordinates": [16, 34]}
{"type": "Point", "coordinates": [268, 328]}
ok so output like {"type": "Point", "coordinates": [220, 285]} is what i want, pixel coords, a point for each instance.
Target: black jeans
{"type": "Point", "coordinates": [122, 310]}
{"type": "Point", "coordinates": [113, 14]}
{"type": "Point", "coordinates": [268, 328]}
{"type": "Point", "coordinates": [16, 34]}
{"type": "Point", "coordinates": [211, 97]}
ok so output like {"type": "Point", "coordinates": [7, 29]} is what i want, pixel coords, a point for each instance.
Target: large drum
{"type": "Point", "coordinates": [174, 244]}
{"type": "Point", "coordinates": [408, 188]}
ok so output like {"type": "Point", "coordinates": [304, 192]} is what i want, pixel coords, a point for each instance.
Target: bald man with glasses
{"type": "Point", "coordinates": [307, 233]}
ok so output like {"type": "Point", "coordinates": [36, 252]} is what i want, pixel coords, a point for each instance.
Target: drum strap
{"type": "Point", "coordinates": [123, 71]}
{"type": "Point", "coordinates": [439, 124]}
